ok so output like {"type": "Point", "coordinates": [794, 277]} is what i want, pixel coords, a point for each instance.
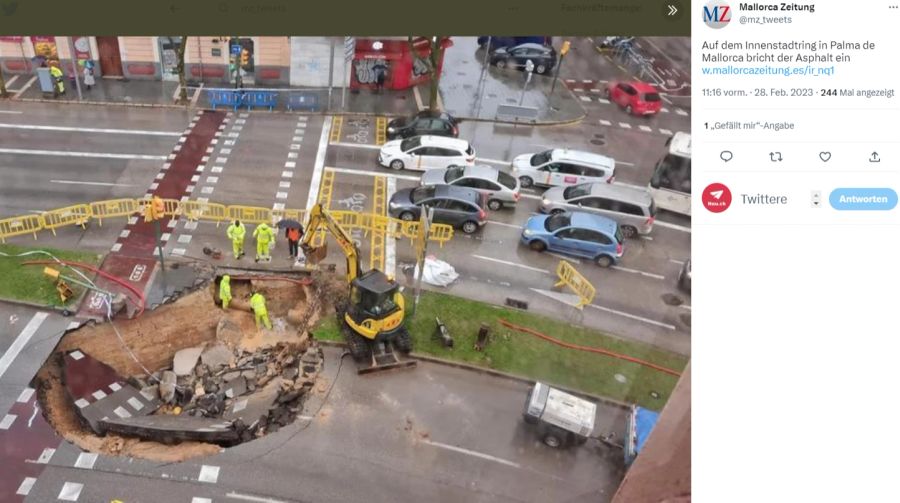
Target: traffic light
{"type": "Point", "coordinates": [565, 47]}
{"type": "Point", "coordinates": [155, 210]}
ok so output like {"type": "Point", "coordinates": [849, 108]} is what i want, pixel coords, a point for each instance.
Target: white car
{"type": "Point", "coordinates": [426, 152]}
{"type": "Point", "coordinates": [562, 167]}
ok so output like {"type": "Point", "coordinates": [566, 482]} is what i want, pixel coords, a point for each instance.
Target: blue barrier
{"type": "Point", "coordinates": [228, 98]}
{"type": "Point", "coordinates": [260, 99]}
{"type": "Point", "coordinates": [304, 101]}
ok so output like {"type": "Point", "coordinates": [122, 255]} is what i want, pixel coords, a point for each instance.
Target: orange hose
{"type": "Point", "coordinates": [588, 348]}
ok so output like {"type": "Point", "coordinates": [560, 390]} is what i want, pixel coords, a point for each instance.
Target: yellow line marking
{"type": "Point", "coordinates": [336, 129]}
{"type": "Point", "coordinates": [380, 130]}
{"type": "Point", "coordinates": [379, 196]}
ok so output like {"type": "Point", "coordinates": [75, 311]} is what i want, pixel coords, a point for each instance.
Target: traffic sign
{"type": "Point", "coordinates": [235, 49]}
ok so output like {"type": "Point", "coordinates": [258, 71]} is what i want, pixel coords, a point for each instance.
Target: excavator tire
{"type": "Point", "coordinates": [357, 344]}
{"type": "Point", "coordinates": [402, 341]}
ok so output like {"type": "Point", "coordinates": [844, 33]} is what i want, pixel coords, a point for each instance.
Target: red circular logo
{"type": "Point", "coordinates": [716, 197]}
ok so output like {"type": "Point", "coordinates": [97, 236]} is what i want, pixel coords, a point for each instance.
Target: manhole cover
{"type": "Point", "coordinates": [672, 299]}
{"type": "Point", "coordinates": [596, 141]}
{"type": "Point", "coordinates": [619, 377]}
{"type": "Point", "coordinates": [686, 319]}
{"type": "Point", "coordinates": [654, 394]}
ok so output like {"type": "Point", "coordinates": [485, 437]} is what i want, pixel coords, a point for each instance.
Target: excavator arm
{"type": "Point", "coordinates": [318, 217]}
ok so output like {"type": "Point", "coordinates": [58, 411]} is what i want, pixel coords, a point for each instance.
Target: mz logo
{"type": "Point", "coordinates": [716, 14]}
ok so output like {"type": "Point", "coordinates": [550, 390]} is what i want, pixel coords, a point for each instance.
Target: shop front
{"type": "Point", "coordinates": [390, 59]}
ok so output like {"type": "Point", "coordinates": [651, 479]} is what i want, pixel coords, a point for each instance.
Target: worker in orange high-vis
{"type": "Point", "coordinates": [293, 236]}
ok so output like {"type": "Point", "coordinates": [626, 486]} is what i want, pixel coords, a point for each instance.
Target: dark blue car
{"type": "Point", "coordinates": [576, 233]}
{"type": "Point", "coordinates": [511, 41]}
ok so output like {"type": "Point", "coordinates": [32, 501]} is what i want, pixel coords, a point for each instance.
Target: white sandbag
{"type": "Point", "coordinates": [437, 272]}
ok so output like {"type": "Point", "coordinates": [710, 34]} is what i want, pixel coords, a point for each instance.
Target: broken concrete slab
{"type": "Point", "coordinates": [216, 357]}
{"type": "Point", "coordinates": [228, 331]}
{"type": "Point", "coordinates": [251, 408]}
{"type": "Point", "coordinates": [185, 360]}
{"type": "Point", "coordinates": [169, 429]}
{"type": "Point", "coordinates": [167, 386]}
{"type": "Point", "coordinates": [123, 403]}
{"type": "Point", "coordinates": [236, 387]}
{"type": "Point", "coordinates": [230, 376]}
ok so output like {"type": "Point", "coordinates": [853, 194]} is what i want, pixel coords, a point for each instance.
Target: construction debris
{"type": "Point", "coordinates": [185, 360]}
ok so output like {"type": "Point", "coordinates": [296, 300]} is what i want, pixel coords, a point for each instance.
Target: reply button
{"type": "Point", "coordinates": [877, 199]}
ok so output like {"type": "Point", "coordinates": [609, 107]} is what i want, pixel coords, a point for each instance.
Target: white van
{"type": "Point", "coordinates": [563, 167]}
{"type": "Point", "coordinates": [426, 152]}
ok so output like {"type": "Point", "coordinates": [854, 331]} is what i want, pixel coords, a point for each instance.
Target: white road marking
{"type": "Point", "coordinates": [418, 98]}
{"type": "Point", "coordinates": [7, 421]}
{"type": "Point", "coordinates": [625, 125]}
{"type": "Point", "coordinates": [25, 395]}
{"type": "Point", "coordinates": [472, 453]}
{"type": "Point", "coordinates": [86, 460]}
{"type": "Point", "coordinates": [10, 112]}
{"type": "Point", "coordinates": [101, 184]}
{"type": "Point", "coordinates": [319, 166]}
{"type": "Point", "coordinates": [530, 196]}
{"type": "Point", "coordinates": [209, 474]}
{"type": "Point", "coordinates": [24, 336]}
{"type": "Point", "coordinates": [70, 491]}
{"type": "Point", "coordinates": [504, 224]}
{"type": "Point", "coordinates": [25, 87]}
{"type": "Point", "coordinates": [196, 95]}
{"type": "Point", "coordinates": [45, 457]}
{"type": "Point", "coordinates": [685, 306]}
{"type": "Point", "coordinates": [26, 486]}
{"type": "Point", "coordinates": [195, 499]}
{"type": "Point", "coordinates": [605, 122]}
{"type": "Point", "coordinates": [644, 128]}
{"type": "Point", "coordinates": [667, 225]}
{"type": "Point", "coordinates": [68, 153]}
{"type": "Point", "coordinates": [89, 130]}
{"type": "Point", "coordinates": [665, 132]}
{"type": "Point", "coordinates": [11, 81]}
{"type": "Point", "coordinates": [563, 257]}
{"type": "Point", "coordinates": [390, 244]}
{"type": "Point", "coordinates": [679, 262]}
{"type": "Point", "coordinates": [247, 497]}
{"type": "Point", "coordinates": [633, 316]}
{"type": "Point", "coordinates": [356, 145]}
{"type": "Point", "coordinates": [636, 271]}
{"type": "Point", "coordinates": [373, 173]}
{"type": "Point", "coordinates": [494, 161]}
{"type": "Point", "coordinates": [489, 259]}
{"type": "Point", "coordinates": [680, 111]}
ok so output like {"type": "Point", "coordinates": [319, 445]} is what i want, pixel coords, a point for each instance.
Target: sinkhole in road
{"type": "Point", "coordinates": [196, 367]}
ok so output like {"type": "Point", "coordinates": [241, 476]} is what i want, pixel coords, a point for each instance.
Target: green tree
{"type": "Point", "coordinates": [182, 81]}
{"type": "Point", "coordinates": [431, 62]}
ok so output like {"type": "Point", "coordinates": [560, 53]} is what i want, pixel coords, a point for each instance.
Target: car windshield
{"type": "Point", "coordinates": [453, 173]}
{"type": "Point", "coordinates": [651, 97]}
{"type": "Point", "coordinates": [577, 191]}
{"type": "Point", "coordinates": [506, 180]}
{"type": "Point", "coordinates": [541, 158]}
{"type": "Point", "coordinates": [420, 194]}
{"type": "Point", "coordinates": [411, 143]}
{"type": "Point", "coordinates": [558, 221]}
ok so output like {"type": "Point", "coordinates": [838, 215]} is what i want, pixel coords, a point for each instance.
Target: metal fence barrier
{"type": "Point", "coordinates": [570, 277]}
{"type": "Point", "coordinates": [78, 214]}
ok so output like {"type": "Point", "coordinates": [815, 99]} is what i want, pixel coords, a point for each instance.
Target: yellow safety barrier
{"type": "Point", "coordinates": [171, 207]}
{"type": "Point", "coordinates": [212, 212]}
{"type": "Point", "coordinates": [250, 214]}
{"type": "Point", "coordinates": [16, 226]}
{"type": "Point", "coordinates": [78, 214]}
{"type": "Point", "coordinates": [568, 276]}
{"type": "Point", "coordinates": [114, 208]}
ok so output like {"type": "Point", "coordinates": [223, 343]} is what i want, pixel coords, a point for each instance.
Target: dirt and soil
{"type": "Point", "coordinates": [155, 337]}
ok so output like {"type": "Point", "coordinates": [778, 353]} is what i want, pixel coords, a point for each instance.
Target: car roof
{"type": "Point", "coordinates": [443, 141]}
{"type": "Point", "coordinates": [593, 222]}
{"type": "Point", "coordinates": [454, 192]}
{"type": "Point", "coordinates": [376, 281]}
{"type": "Point", "coordinates": [433, 114]}
{"type": "Point", "coordinates": [564, 154]}
{"type": "Point", "coordinates": [625, 193]}
{"type": "Point", "coordinates": [680, 144]}
{"type": "Point", "coordinates": [481, 171]}
{"type": "Point", "coordinates": [642, 87]}
{"type": "Point", "coordinates": [532, 45]}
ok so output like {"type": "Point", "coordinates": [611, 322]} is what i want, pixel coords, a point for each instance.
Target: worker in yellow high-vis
{"type": "Point", "coordinates": [236, 232]}
{"type": "Point", "coordinates": [264, 237]}
{"type": "Point", "coordinates": [225, 290]}
{"type": "Point", "coordinates": [258, 304]}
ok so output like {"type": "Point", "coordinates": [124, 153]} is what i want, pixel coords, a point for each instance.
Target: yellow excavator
{"type": "Point", "coordinates": [373, 315]}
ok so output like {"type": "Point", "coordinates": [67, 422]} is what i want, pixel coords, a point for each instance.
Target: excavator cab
{"type": "Point", "coordinates": [376, 306]}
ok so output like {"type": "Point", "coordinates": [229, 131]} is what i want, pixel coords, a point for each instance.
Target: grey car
{"type": "Point", "coordinates": [499, 188]}
{"type": "Point", "coordinates": [632, 207]}
{"type": "Point", "coordinates": [456, 206]}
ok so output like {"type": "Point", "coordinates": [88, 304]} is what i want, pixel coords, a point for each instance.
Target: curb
{"type": "Point", "coordinates": [496, 373]}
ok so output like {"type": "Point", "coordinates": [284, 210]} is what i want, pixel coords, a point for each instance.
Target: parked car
{"type": "Point", "coordinates": [426, 152]}
{"type": "Point", "coordinates": [456, 206]}
{"type": "Point", "coordinates": [563, 167]}
{"type": "Point", "coordinates": [511, 41]}
{"type": "Point", "coordinates": [499, 188]}
{"type": "Point", "coordinates": [638, 98]}
{"type": "Point", "coordinates": [543, 57]}
{"type": "Point", "coordinates": [577, 233]}
{"type": "Point", "coordinates": [632, 207]}
{"type": "Point", "coordinates": [613, 42]}
{"type": "Point", "coordinates": [423, 123]}
{"type": "Point", "coordinates": [684, 277]}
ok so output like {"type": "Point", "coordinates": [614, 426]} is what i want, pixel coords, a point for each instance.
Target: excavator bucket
{"type": "Point", "coordinates": [316, 255]}
{"type": "Point", "coordinates": [382, 360]}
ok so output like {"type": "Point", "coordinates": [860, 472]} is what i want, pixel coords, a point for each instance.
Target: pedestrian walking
{"type": "Point", "coordinates": [258, 304]}
{"type": "Point", "coordinates": [225, 291]}
{"type": "Point", "coordinates": [265, 238]}
{"type": "Point", "coordinates": [88, 77]}
{"type": "Point", "coordinates": [236, 232]}
{"type": "Point", "coordinates": [380, 74]}
{"type": "Point", "coordinates": [293, 236]}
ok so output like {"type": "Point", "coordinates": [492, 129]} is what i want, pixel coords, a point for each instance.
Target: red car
{"type": "Point", "coordinates": [638, 98]}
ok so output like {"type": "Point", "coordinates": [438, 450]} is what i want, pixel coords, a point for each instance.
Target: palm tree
{"type": "Point", "coordinates": [431, 62]}
{"type": "Point", "coordinates": [182, 81]}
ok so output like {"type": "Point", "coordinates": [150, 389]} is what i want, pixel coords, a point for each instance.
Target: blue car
{"type": "Point", "coordinates": [576, 233]}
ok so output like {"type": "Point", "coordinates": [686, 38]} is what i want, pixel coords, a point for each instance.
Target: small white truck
{"type": "Point", "coordinates": [562, 419]}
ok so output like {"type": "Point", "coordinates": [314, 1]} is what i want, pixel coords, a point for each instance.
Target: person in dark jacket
{"type": "Point", "coordinates": [293, 236]}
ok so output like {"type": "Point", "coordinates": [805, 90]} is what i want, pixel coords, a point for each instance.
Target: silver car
{"type": "Point", "coordinates": [499, 188]}
{"type": "Point", "coordinates": [632, 207]}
